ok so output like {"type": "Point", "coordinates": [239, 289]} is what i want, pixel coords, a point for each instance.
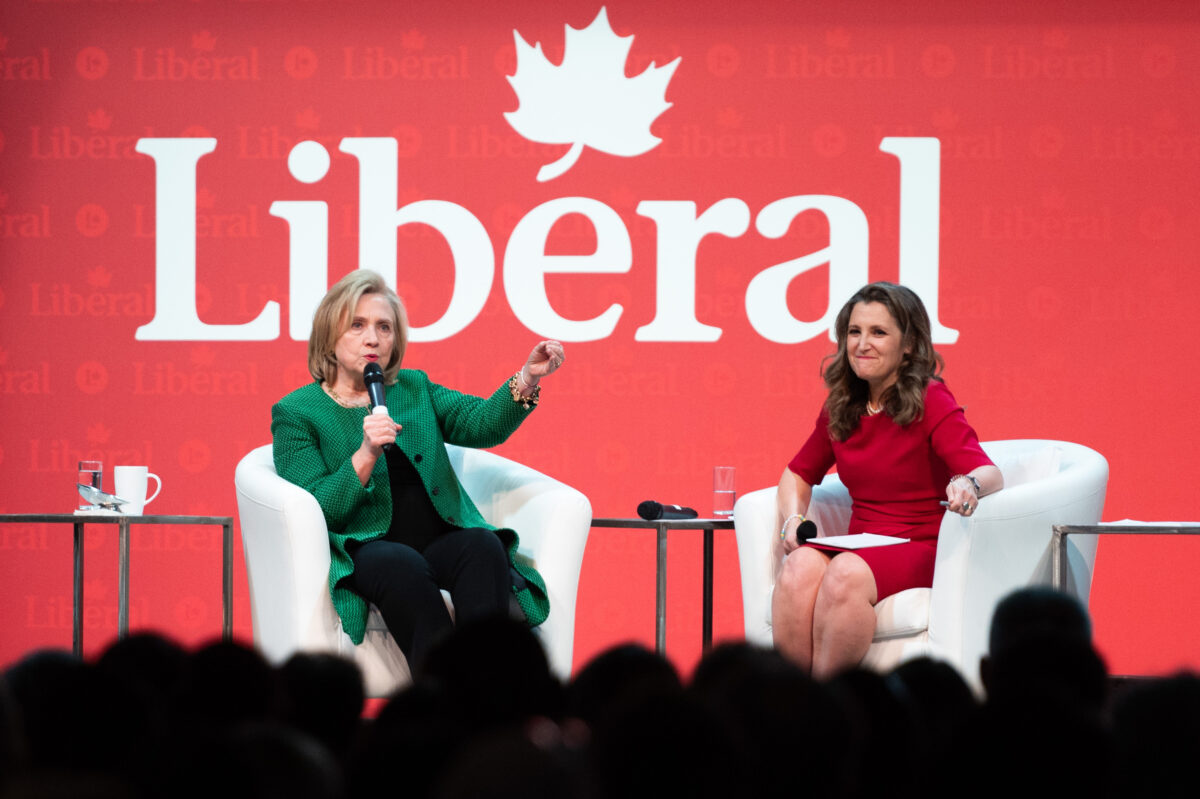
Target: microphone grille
{"type": "Point", "coordinates": [649, 510]}
{"type": "Point", "coordinates": [373, 373]}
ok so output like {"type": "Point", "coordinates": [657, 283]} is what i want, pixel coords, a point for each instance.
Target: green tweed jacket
{"type": "Point", "coordinates": [314, 438]}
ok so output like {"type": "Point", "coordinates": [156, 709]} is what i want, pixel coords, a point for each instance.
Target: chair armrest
{"type": "Point", "coordinates": [759, 554]}
{"type": "Point", "coordinates": [553, 521]}
{"type": "Point", "coordinates": [286, 547]}
{"type": "Point", "coordinates": [1005, 545]}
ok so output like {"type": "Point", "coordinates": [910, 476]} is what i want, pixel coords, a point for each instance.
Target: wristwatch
{"type": "Point", "coordinates": [974, 483]}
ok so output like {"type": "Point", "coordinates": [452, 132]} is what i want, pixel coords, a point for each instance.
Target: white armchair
{"type": "Point", "coordinates": [1003, 546]}
{"type": "Point", "coordinates": [286, 545]}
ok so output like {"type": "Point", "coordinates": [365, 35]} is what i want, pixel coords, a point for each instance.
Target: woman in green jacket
{"type": "Point", "coordinates": [401, 527]}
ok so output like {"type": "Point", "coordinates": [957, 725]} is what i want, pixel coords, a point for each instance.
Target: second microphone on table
{"type": "Point", "coordinates": [653, 511]}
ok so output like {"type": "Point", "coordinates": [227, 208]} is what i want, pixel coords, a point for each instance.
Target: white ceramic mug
{"type": "Point", "coordinates": [130, 484]}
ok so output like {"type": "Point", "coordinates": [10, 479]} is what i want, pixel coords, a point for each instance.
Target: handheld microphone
{"type": "Point", "coordinates": [653, 511]}
{"type": "Point", "coordinates": [373, 377]}
{"type": "Point", "coordinates": [805, 530]}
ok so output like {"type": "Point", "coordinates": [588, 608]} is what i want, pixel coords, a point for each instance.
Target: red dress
{"type": "Point", "coordinates": [896, 476]}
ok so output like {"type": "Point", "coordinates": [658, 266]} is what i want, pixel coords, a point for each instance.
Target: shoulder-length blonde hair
{"type": "Point", "coordinates": [904, 400]}
{"type": "Point", "coordinates": [333, 317]}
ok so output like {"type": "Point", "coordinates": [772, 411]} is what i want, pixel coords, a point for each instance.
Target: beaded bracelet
{"type": "Point", "coordinates": [783, 530]}
{"type": "Point", "coordinates": [514, 385]}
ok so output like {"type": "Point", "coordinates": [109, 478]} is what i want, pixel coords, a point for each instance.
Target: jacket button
{"type": "Point", "coordinates": [436, 491]}
{"type": "Point", "coordinates": [417, 458]}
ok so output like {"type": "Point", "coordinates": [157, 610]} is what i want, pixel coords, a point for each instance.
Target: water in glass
{"type": "Point", "coordinates": [723, 491]}
{"type": "Point", "coordinates": [91, 473]}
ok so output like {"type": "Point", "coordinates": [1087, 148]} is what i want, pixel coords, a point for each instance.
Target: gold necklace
{"type": "Point", "coordinates": [340, 400]}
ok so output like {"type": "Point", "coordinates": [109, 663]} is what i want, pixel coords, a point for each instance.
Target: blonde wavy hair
{"type": "Point", "coordinates": [333, 316]}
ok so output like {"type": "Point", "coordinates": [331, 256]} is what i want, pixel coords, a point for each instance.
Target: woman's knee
{"type": "Point", "coordinates": [385, 562]}
{"type": "Point", "coordinates": [803, 568]}
{"type": "Point", "coordinates": [848, 579]}
{"type": "Point", "coordinates": [481, 540]}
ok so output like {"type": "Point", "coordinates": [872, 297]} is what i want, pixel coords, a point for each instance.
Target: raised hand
{"type": "Point", "coordinates": [546, 357]}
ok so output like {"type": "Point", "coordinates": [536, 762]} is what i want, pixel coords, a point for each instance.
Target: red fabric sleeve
{"type": "Point", "coordinates": [953, 440]}
{"type": "Point", "coordinates": [815, 458]}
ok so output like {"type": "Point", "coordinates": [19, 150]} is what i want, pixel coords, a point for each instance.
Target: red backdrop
{"type": "Point", "coordinates": [1054, 227]}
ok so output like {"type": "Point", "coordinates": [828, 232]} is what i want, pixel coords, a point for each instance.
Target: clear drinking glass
{"type": "Point", "coordinates": [91, 473]}
{"type": "Point", "coordinates": [723, 491]}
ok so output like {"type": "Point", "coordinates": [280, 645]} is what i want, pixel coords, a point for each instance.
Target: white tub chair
{"type": "Point", "coordinates": [286, 546]}
{"type": "Point", "coordinates": [1003, 546]}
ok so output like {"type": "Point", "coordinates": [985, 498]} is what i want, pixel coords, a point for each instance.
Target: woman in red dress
{"type": "Point", "coordinates": [902, 445]}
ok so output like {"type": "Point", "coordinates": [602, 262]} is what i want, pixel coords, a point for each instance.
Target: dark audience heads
{"type": "Point", "coordinates": [270, 760]}
{"type": "Point", "coordinates": [322, 695]}
{"type": "Point", "coordinates": [67, 712]}
{"type": "Point", "coordinates": [146, 670]}
{"type": "Point", "coordinates": [1046, 689]}
{"type": "Point", "coordinates": [224, 684]}
{"type": "Point", "coordinates": [668, 745]}
{"type": "Point", "coordinates": [1036, 611]}
{"type": "Point", "coordinates": [774, 714]}
{"type": "Point", "coordinates": [516, 764]}
{"type": "Point", "coordinates": [151, 662]}
{"type": "Point", "coordinates": [416, 735]}
{"type": "Point", "coordinates": [498, 669]}
{"type": "Point", "coordinates": [884, 738]}
{"type": "Point", "coordinates": [937, 692]}
{"type": "Point", "coordinates": [625, 675]}
{"type": "Point", "coordinates": [1041, 654]}
{"type": "Point", "coordinates": [1156, 728]}
{"type": "Point", "coordinates": [486, 718]}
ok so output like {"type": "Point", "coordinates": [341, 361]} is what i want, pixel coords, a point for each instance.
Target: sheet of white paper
{"type": "Point", "coordinates": [859, 541]}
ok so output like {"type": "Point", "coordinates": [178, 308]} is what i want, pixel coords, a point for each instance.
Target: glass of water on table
{"type": "Point", "coordinates": [91, 473]}
{"type": "Point", "coordinates": [723, 491]}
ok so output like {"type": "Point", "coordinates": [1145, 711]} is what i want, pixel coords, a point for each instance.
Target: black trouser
{"type": "Point", "coordinates": [405, 584]}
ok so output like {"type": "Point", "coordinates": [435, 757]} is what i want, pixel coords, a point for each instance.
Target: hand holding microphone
{"type": "Point", "coordinates": [805, 530]}
{"type": "Point", "coordinates": [379, 429]}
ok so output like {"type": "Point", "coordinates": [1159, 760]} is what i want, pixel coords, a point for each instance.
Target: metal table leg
{"type": "Point", "coordinates": [1058, 560]}
{"type": "Point", "coordinates": [706, 639]}
{"type": "Point", "coordinates": [660, 593]}
{"type": "Point", "coordinates": [123, 579]}
{"type": "Point", "coordinates": [77, 595]}
{"type": "Point", "coordinates": [227, 582]}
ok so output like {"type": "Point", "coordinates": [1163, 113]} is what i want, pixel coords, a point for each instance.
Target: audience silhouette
{"type": "Point", "coordinates": [149, 718]}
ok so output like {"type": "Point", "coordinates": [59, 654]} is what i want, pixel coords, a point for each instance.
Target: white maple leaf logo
{"type": "Point", "coordinates": [588, 100]}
